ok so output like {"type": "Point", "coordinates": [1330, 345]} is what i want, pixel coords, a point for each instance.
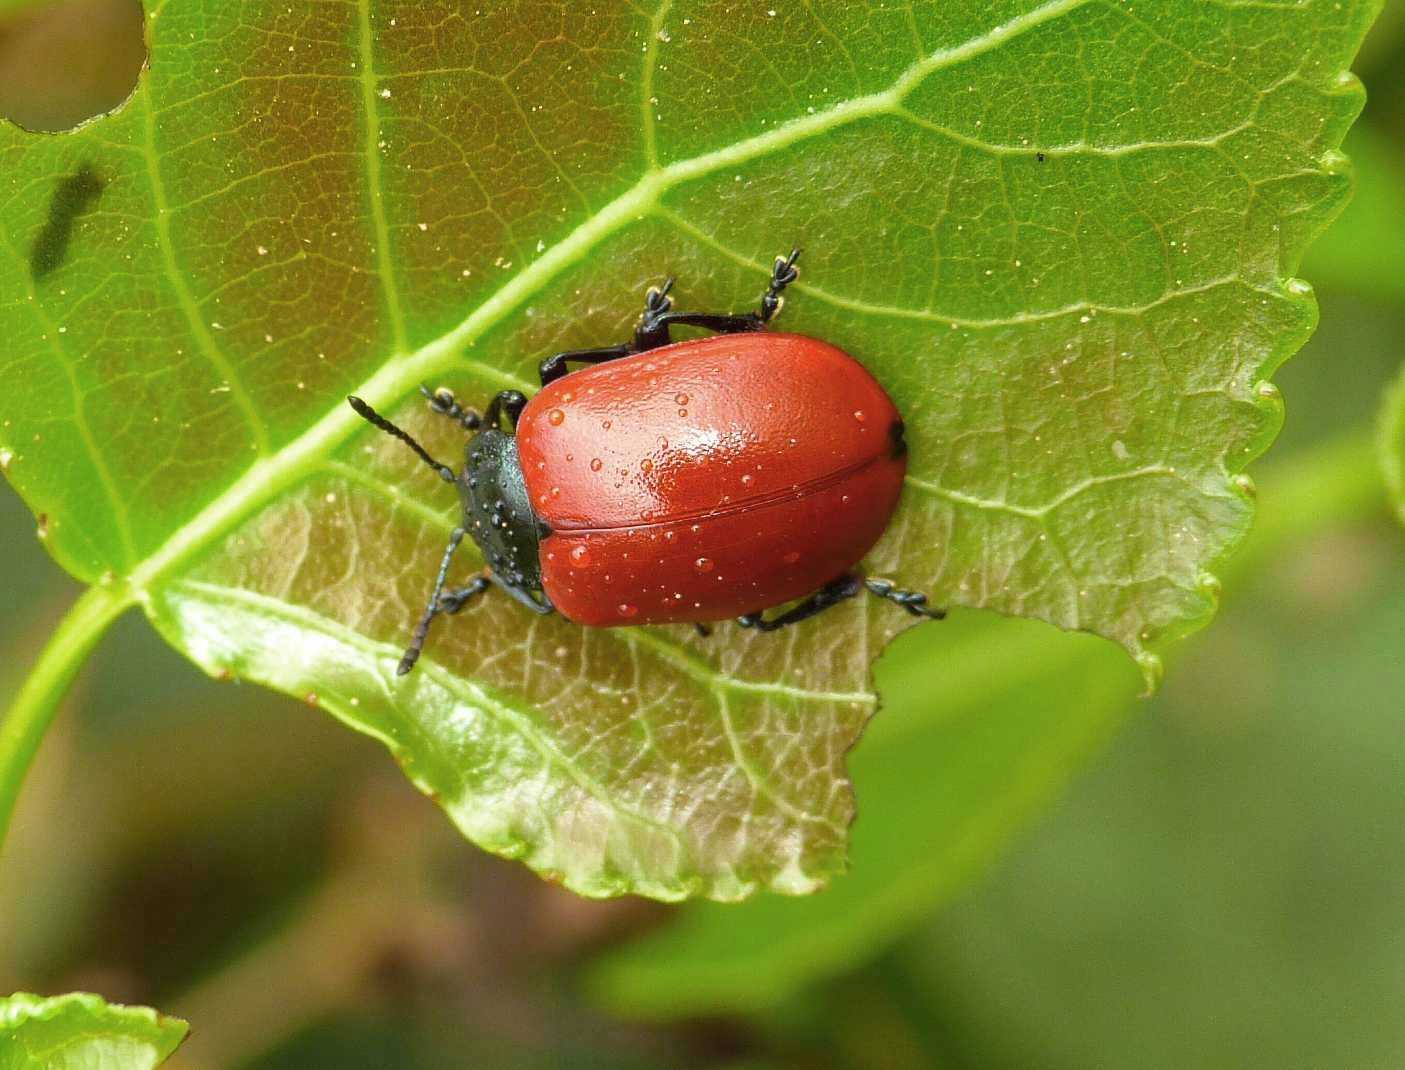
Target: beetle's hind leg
{"type": "Point", "coordinates": [656, 324]}
{"type": "Point", "coordinates": [915, 602]}
{"type": "Point", "coordinates": [841, 590]}
{"type": "Point", "coordinates": [831, 594]}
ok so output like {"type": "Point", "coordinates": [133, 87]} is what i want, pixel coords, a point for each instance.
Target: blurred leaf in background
{"type": "Point", "coordinates": [82, 1032]}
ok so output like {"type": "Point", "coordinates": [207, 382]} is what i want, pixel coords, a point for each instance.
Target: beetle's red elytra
{"type": "Point", "coordinates": [708, 478]}
{"type": "Point", "coordinates": [678, 481]}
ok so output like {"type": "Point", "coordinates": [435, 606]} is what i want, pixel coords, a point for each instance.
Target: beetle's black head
{"type": "Point", "coordinates": [496, 510]}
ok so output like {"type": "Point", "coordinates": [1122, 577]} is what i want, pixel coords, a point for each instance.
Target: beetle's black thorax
{"type": "Point", "coordinates": [497, 512]}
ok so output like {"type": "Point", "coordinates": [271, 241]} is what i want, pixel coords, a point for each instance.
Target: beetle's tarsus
{"type": "Point", "coordinates": [442, 401]}
{"type": "Point", "coordinates": [915, 602]}
{"type": "Point", "coordinates": [783, 273]}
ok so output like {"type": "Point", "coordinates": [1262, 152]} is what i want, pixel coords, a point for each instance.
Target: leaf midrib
{"type": "Point", "coordinates": [272, 475]}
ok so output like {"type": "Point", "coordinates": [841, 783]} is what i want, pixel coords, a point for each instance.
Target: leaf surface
{"type": "Point", "coordinates": [986, 723]}
{"type": "Point", "coordinates": [79, 1031]}
{"type": "Point", "coordinates": [1059, 233]}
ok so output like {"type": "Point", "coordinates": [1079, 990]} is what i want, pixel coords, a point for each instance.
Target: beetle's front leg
{"type": "Point", "coordinates": [432, 610]}
{"type": "Point", "coordinates": [510, 402]}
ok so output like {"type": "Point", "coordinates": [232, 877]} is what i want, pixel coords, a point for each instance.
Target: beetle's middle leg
{"type": "Point", "coordinates": [554, 368]}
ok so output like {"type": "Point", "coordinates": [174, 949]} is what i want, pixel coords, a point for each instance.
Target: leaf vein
{"type": "Point", "coordinates": [184, 297]}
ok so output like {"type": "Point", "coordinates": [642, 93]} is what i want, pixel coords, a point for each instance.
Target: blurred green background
{"type": "Point", "coordinates": [1219, 885]}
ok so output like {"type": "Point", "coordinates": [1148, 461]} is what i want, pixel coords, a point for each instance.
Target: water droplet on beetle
{"type": "Point", "coordinates": [627, 610]}
{"type": "Point", "coordinates": [748, 480]}
{"type": "Point", "coordinates": [607, 424]}
{"type": "Point", "coordinates": [683, 412]}
{"type": "Point", "coordinates": [555, 417]}
{"type": "Point", "coordinates": [680, 399]}
{"type": "Point", "coordinates": [859, 415]}
{"type": "Point", "coordinates": [646, 466]}
{"type": "Point", "coordinates": [596, 464]}
{"type": "Point", "coordinates": [570, 457]}
{"type": "Point", "coordinates": [556, 492]}
{"type": "Point", "coordinates": [703, 564]}
{"type": "Point", "coordinates": [580, 555]}
{"type": "Point", "coordinates": [791, 557]}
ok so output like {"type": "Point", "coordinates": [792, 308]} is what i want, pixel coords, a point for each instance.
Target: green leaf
{"type": "Point", "coordinates": [1351, 255]}
{"type": "Point", "coordinates": [79, 1031]}
{"type": "Point", "coordinates": [1391, 442]}
{"type": "Point", "coordinates": [985, 727]}
{"type": "Point", "coordinates": [1059, 233]}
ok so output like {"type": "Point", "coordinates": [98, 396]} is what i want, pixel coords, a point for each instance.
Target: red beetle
{"type": "Point", "coordinates": [689, 481]}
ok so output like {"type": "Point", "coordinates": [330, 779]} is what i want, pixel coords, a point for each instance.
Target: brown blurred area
{"type": "Point", "coordinates": [92, 52]}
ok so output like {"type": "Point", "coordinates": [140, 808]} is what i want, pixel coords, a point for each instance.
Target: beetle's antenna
{"type": "Point", "coordinates": [371, 416]}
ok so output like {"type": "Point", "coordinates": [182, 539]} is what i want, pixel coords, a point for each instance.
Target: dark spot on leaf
{"type": "Point", "coordinates": [43, 525]}
{"type": "Point", "coordinates": [1040, 157]}
{"type": "Point", "coordinates": [74, 196]}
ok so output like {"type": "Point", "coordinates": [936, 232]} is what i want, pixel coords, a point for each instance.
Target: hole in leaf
{"type": "Point", "coordinates": [67, 61]}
